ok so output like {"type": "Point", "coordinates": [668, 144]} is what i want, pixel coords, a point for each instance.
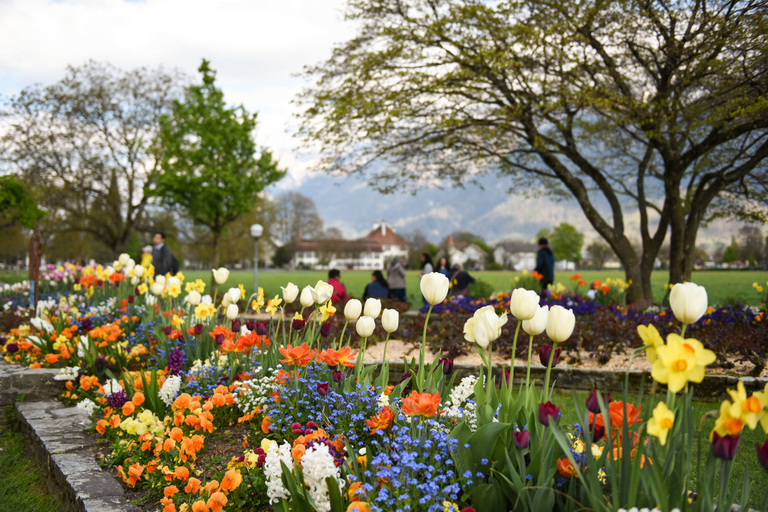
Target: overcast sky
{"type": "Point", "coordinates": [254, 45]}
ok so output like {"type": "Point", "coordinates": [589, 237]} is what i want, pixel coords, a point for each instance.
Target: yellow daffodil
{"type": "Point", "coordinates": [651, 339]}
{"type": "Point", "coordinates": [762, 397]}
{"type": "Point", "coordinates": [680, 361]}
{"type": "Point", "coordinates": [173, 290]}
{"type": "Point", "coordinates": [727, 424]}
{"type": "Point", "coordinates": [298, 316]}
{"type": "Point", "coordinates": [176, 321]}
{"type": "Point", "coordinates": [327, 310]}
{"type": "Point", "coordinates": [662, 421]}
{"type": "Point", "coordinates": [204, 311]}
{"type": "Point", "coordinates": [257, 304]}
{"type": "Point", "coordinates": [143, 288]}
{"type": "Point", "coordinates": [179, 276]}
{"type": "Point", "coordinates": [273, 304]}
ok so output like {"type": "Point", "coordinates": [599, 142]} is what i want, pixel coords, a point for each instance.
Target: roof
{"type": "Point", "coordinates": [329, 244]}
{"type": "Point", "coordinates": [385, 235]}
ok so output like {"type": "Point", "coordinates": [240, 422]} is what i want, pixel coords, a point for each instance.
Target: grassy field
{"type": "Point", "coordinates": [723, 287]}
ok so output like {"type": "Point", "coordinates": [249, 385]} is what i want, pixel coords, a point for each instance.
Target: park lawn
{"type": "Point", "coordinates": [746, 455]}
{"type": "Point", "coordinates": [723, 287]}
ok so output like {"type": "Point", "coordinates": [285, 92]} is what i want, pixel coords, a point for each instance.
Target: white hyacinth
{"type": "Point", "coordinates": [170, 389]}
{"type": "Point", "coordinates": [274, 472]}
{"type": "Point", "coordinates": [87, 405]}
{"type": "Point", "coordinates": [112, 386]}
{"type": "Point", "coordinates": [67, 373]}
{"type": "Point", "coordinates": [318, 465]}
{"type": "Point", "coordinates": [458, 404]}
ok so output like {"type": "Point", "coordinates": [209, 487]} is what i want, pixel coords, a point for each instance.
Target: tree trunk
{"type": "Point", "coordinates": [676, 236]}
{"type": "Point", "coordinates": [215, 247]}
{"type": "Point", "coordinates": [632, 273]}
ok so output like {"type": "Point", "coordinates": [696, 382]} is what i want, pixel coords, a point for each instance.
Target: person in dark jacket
{"type": "Point", "coordinates": [162, 259]}
{"type": "Point", "coordinates": [378, 288]}
{"type": "Point", "coordinates": [339, 290]}
{"type": "Point", "coordinates": [461, 280]}
{"type": "Point", "coordinates": [545, 264]}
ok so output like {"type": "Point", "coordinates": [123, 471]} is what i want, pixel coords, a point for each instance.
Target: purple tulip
{"type": "Point", "coordinates": [725, 447]}
{"type": "Point", "coordinates": [130, 299]}
{"type": "Point", "coordinates": [298, 324]}
{"type": "Point", "coordinates": [219, 339]}
{"type": "Point", "coordinates": [236, 325]}
{"type": "Point", "coordinates": [447, 365]}
{"type": "Point", "coordinates": [198, 329]}
{"type": "Point", "coordinates": [545, 353]}
{"type": "Point", "coordinates": [100, 363]}
{"type": "Point", "coordinates": [323, 388]}
{"type": "Point", "coordinates": [325, 329]}
{"type": "Point", "coordinates": [522, 439]}
{"type": "Point", "coordinates": [592, 403]}
{"type": "Point", "coordinates": [261, 328]}
{"type": "Point", "coordinates": [337, 376]}
{"type": "Point", "coordinates": [546, 411]}
{"type": "Point", "coordinates": [762, 454]}
{"type": "Point", "coordinates": [250, 325]}
{"type": "Point", "coordinates": [167, 330]}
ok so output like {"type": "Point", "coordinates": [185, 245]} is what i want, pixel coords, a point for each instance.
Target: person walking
{"type": "Point", "coordinates": [545, 264]}
{"type": "Point", "coordinates": [426, 268]}
{"type": "Point", "coordinates": [339, 290]}
{"type": "Point", "coordinates": [378, 288]}
{"type": "Point", "coordinates": [162, 258]}
{"type": "Point", "coordinates": [444, 267]}
{"type": "Point", "coordinates": [396, 279]}
{"type": "Point", "coordinates": [461, 280]}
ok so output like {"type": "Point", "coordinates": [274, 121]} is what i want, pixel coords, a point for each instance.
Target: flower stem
{"type": "Point", "coordinates": [490, 369]}
{"type": "Point", "coordinates": [528, 371]}
{"type": "Point", "coordinates": [421, 352]}
{"type": "Point", "coordinates": [341, 338]}
{"type": "Point", "coordinates": [514, 352]}
{"type": "Point", "coordinates": [549, 369]}
{"type": "Point", "coordinates": [682, 331]}
{"type": "Point", "coordinates": [723, 484]}
{"type": "Point", "coordinates": [384, 356]}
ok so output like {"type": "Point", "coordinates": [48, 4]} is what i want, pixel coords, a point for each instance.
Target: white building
{"type": "Point", "coordinates": [468, 255]}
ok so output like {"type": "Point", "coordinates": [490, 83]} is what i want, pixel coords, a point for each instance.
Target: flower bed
{"type": "Point", "coordinates": [204, 411]}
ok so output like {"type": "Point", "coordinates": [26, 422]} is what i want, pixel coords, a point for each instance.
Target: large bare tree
{"type": "Point", "coordinates": [624, 105]}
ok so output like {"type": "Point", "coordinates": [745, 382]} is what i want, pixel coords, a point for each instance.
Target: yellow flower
{"type": "Point", "coordinates": [747, 409]}
{"type": "Point", "coordinates": [327, 310]}
{"type": "Point", "coordinates": [450, 507]}
{"type": "Point", "coordinates": [176, 321]}
{"type": "Point", "coordinates": [763, 397]}
{"type": "Point", "coordinates": [272, 305]}
{"type": "Point", "coordinates": [662, 421]}
{"type": "Point", "coordinates": [298, 316]}
{"type": "Point", "coordinates": [203, 311]}
{"type": "Point", "coordinates": [679, 361]}
{"type": "Point", "coordinates": [242, 290]}
{"type": "Point", "coordinates": [651, 339]}
{"type": "Point", "coordinates": [257, 304]}
{"type": "Point", "coordinates": [190, 286]}
{"type": "Point", "coordinates": [179, 276]}
{"type": "Point", "coordinates": [76, 287]}
{"type": "Point", "coordinates": [143, 288]}
{"type": "Point", "coordinates": [727, 424]}
{"type": "Point", "coordinates": [173, 290]}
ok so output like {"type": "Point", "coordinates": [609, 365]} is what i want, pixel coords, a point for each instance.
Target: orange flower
{"type": "Point", "coordinates": [220, 329]}
{"type": "Point", "coordinates": [218, 400]}
{"type": "Point", "coordinates": [170, 491]}
{"type": "Point", "coordinates": [382, 421]}
{"type": "Point", "coordinates": [265, 423]}
{"type": "Point", "coordinates": [358, 506]}
{"type": "Point", "coordinates": [217, 501]}
{"type": "Point", "coordinates": [421, 404]}
{"type": "Point", "coordinates": [182, 401]}
{"type": "Point", "coordinates": [355, 490]}
{"type": "Point", "coordinates": [177, 434]}
{"type": "Point", "coordinates": [211, 487]}
{"type": "Point", "coordinates": [138, 398]}
{"type": "Point", "coordinates": [169, 445]}
{"type": "Point", "coordinates": [85, 383]}
{"type": "Point", "coordinates": [344, 357]}
{"type": "Point", "coordinates": [565, 468]}
{"type": "Point", "coordinates": [605, 289]}
{"type": "Point", "coordinates": [297, 452]}
{"type": "Point", "coordinates": [297, 356]}
{"type": "Point", "coordinates": [181, 473]}
{"type": "Point", "coordinates": [51, 358]}
{"type": "Point", "coordinates": [134, 474]}
{"type": "Point", "coordinates": [232, 479]}
{"type": "Point", "coordinates": [193, 485]}
{"type": "Point", "coordinates": [537, 275]}
{"type": "Point", "coordinates": [128, 408]}
{"type": "Point", "coordinates": [200, 506]}
{"type": "Point", "coordinates": [114, 421]}
{"type": "Point", "coordinates": [616, 412]}
{"type": "Point", "coordinates": [576, 277]}
{"type": "Point", "coordinates": [101, 426]}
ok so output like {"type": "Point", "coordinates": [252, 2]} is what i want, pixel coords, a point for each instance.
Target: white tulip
{"type": "Point", "coordinates": [221, 275]}
{"type": "Point", "coordinates": [434, 286]}
{"type": "Point", "coordinates": [138, 271]}
{"type": "Point", "coordinates": [130, 263]}
{"type": "Point", "coordinates": [207, 299]}
{"type": "Point", "coordinates": [523, 303]}
{"type": "Point", "coordinates": [372, 308]}
{"type": "Point", "coordinates": [560, 323]}
{"type": "Point", "coordinates": [173, 281]}
{"type": "Point", "coordinates": [390, 320]}
{"type": "Point", "coordinates": [123, 259]}
{"type": "Point", "coordinates": [157, 288]}
{"type": "Point", "coordinates": [109, 270]}
{"type": "Point", "coordinates": [306, 297]}
{"type": "Point", "coordinates": [537, 324]}
{"type": "Point", "coordinates": [321, 292]}
{"type": "Point", "coordinates": [232, 311]}
{"type": "Point", "coordinates": [225, 301]}
{"type": "Point", "coordinates": [135, 281]}
{"type": "Point", "coordinates": [688, 302]}
{"type": "Point", "coordinates": [194, 298]}
{"type": "Point", "coordinates": [234, 295]}
{"type": "Point", "coordinates": [353, 309]}
{"type": "Point", "coordinates": [151, 300]}
{"type": "Point", "coordinates": [484, 326]}
{"type": "Point", "coordinates": [160, 279]}
{"type": "Point", "coordinates": [290, 293]}
{"type": "Point", "coordinates": [365, 326]}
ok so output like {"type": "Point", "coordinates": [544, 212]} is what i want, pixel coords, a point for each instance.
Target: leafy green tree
{"type": "Point", "coordinates": [567, 242]}
{"type": "Point", "coordinates": [16, 204]}
{"type": "Point", "coordinates": [210, 165]}
{"type": "Point", "coordinates": [640, 105]}
{"type": "Point", "coordinates": [732, 252]}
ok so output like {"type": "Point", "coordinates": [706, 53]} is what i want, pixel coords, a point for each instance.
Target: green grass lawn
{"type": "Point", "coordinates": [746, 456]}
{"type": "Point", "coordinates": [723, 287]}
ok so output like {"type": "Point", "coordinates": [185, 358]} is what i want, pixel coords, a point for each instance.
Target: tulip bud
{"type": "Point", "coordinates": [306, 298]}
{"type": "Point", "coordinates": [321, 292]}
{"type": "Point", "coordinates": [365, 326]}
{"type": "Point", "coordinates": [261, 328]}
{"type": "Point", "coordinates": [173, 281]}
{"type": "Point", "coordinates": [290, 293]}
{"type": "Point", "coordinates": [157, 288]}
{"type": "Point", "coordinates": [194, 298]}
{"type": "Point", "coordinates": [323, 389]}
{"type": "Point", "coordinates": [537, 324]}
{"type": "Point", "coordinates": [198, 329]}
{"type": "Point", "coordinates": [688, 302]}
{"type": "Point", "coordinates": [221, 275]}
{"type": "Point", "coordinates": [522, 439]}
{"type": "Point", "coordinates": [548, 412]}
{"type": "Point", "coordinates": [447, 365]}
{"type": "Point", "coordinates": [337, 376]}
{"type": "Point", "coordinates": [545, 353]}
{"type": "Point", "coordinates": [232, 311]}
{"type": "Point", "coordinates": [353, 309]}
{"type": "Point", "coordinates": [762, 454]}
{"type": "Point", "coordinates": [484, 326]}
{"type": "Point", "coordinates": [724, 447]}
{"type": "Point", "coordinates": [150, 299]}
{"type": "Point", "coordinates": [130, 264]}
{"type": "Point", "coordinates": [434, 286]}
{"type": "Point", "coordinates": [123, 259]}
{"type": "Point", "coordinates": [160, 279]}
{"type": "Point", "coordinates": [298, 323]}
{"type": "Point", "coordinates": [207, 299]}
{"type": "Point", "coordinates": [523, 303]}
{"type": "Point", "coordinates": [390, 320]}
{"type": "Point", "coordinates": [325, 329]}
{"type": "Point", "coordinates": [138, 271]}
{"type": "Point", "coordinates": [560, 323]}
{"type": "Point", "coordinates": [372, 308]}
{"type": "Point", "coordinates": [225, 301]}
{"type": "Point", "coordinates": [234, 295]}
{"type": "Point", "coordinates": [593, 405]}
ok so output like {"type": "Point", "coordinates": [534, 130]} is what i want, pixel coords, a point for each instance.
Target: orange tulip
{"type": "Point", "coordinates": [382, 421]}
{"type": "Point", "coordinates": [232, 479]}
{"type": "Point", "coordinates": [217, 501]}
{"type": "Point", "coordinates": [421, 404]}
{"type": "Point", "coordinates": [344, 357]}
{"type": "Point", "coordinates": [616, 413]}
{"type": "Point", "coordinates": [297, 356]}
{"type": "Point", "coordinates": [565, 468]}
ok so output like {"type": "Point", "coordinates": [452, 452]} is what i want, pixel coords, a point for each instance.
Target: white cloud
{"type": "Point", "coordinates": [255, 46]}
